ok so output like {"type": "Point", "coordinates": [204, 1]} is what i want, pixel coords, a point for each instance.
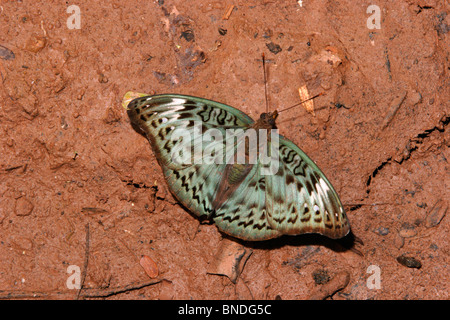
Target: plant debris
{"type": "Point", "coordinates": [304, 95]}
{"type": "Point", "coordinates": [230, 259]}
{"type": "Point", "coordinates": [436, 214]}
{"type": "Point", "coordinates": [228, 13]}
{"type": "Point", "coordinates": [339, 282]}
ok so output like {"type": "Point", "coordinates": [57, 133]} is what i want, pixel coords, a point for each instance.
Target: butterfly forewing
{"type": "Point", "coordinates": [160, 117]}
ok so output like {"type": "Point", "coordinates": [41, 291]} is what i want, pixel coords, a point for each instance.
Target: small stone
{"type": "Point", "coordinates": [409, 262]}
{"type": "Point", "coordinates": [35, 43]}
{"type": "Point", "coordinates": [339, 282]}
{"type": "Point", "coordinates": [230, 259]}
{"type": "Point", "coordinates": [399, 241]}
{"type": "Point", "coordinates": [382, 231]}
{"type": "Point", "coordinates": [188, 35]}
{"type": "Point", "coordinates": [150, 267]}
{"type": "Point", "coordinates": [29, 104]}
{"type": "Point", "coordinates": [23, 207]}
{"type": "Point", "coordinates": [433, 247]}
{"type": "Point", "coordinates": [111, 116]}
{"type": "Point", "coordinates": [222, 31]}
{"type": "Point", "coordinates": [274, 48]}
{"type": "Point", "coordinates": [6, 54]}
{"type": "Point", "coordinates": [321, 276]}
{"type": "Point", "coordinates": [102, 78]}
{"type": "Point", "coordinates": [407, 231]}
{"type": "Point", "coordinates": [415, 98]}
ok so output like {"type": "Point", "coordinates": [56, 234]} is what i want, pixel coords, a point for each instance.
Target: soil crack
{"type": "Point", "coordinates": [411, 147]}
{"type": "Point", "coordinates": [139, 185]}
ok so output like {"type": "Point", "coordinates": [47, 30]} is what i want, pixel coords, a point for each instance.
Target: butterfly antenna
{"type": "Point", "coordinates": [297, 104]}
{"type": "Point", "coordinates": [265, 82]}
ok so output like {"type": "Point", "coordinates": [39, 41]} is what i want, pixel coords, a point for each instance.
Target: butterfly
{"type": "Point", "coordinates": [242, 200]}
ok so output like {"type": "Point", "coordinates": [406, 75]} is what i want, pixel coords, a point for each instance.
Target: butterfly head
{"type": "Point", "coordinates": [267, 120]}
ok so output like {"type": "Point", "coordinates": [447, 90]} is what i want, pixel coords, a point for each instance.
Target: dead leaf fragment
{"type": "Point", "coordinates": [339, 282]}
{"type": "Point", "coordinates": [150, 267]}
{"type": "Point", "coordinates": [230, 259]}
{"type": "Point", "coordinates": [436, 214]}
{"type": "Point", "coordinates": [395, 105]}
{"type": "Point", "coordinates": [130, 96]}
{"type": "Point", "coordinates": [304, 95]}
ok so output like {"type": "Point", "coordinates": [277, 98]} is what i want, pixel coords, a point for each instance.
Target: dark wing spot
{"type": "Point", "coordinates": [168, 129]}
{"type": "Point", "coordinates": [190, 105]}
{"type": "Point", "coordinates": [185, 115]}
{"type": "Point", "coordinates": [279, 200]}
{"type": "Point", "coordinates": [280, 172]}
{"type": "Point", "coordinates": [309, 187]}
{"type": "Point", "coordinates": [305, 218]}
{"type": "Point", "coordinates": [293, 219]}
{"type": "Point", "coordinates": [289, 179]}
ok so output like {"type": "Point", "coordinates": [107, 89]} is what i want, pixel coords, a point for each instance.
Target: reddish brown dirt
{"type": "Point", "coordinates": [70, 157]}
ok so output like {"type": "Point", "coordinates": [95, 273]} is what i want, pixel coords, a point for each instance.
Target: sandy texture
{"type": "Point", "coordinates": [78, 186]}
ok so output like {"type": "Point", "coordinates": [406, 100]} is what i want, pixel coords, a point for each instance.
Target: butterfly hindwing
{"type": "Point", "coordinates": [244, 214]}
{"type": "Point", "coordinates": [300, 199]}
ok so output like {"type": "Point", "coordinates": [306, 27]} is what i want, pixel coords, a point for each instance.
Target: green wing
{"type": "Point", "coordinates": [161, 117]}
{"type": "Point", "coordinates": [300, 199]}
{"type": "Point", "coordinates": [244, 215]}
{"type": "Point", "coordinates": [297, 199]}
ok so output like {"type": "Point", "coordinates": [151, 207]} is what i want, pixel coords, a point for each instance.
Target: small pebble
{"type": "Point", "coordinates": [409, 262]}
{"type": "Point", "coordinates": [415, 97]}
{"type": "Point", "coordinates": [321, 276]}
{"type": "Point", "coordinates": [274, 48]}
{"type": "Point", "coordinates": [407, 231]}
{"type": "Point", "coordinates": [35, 43]}
{"type": "Point", "coordinates": [6, 54]}
{"type": "Point", "coordinates": [222, 31]}
{"type": "Point", "coordinates": [382, 231]}
{"type": "Point", "coordinates": [150, 267]}
{"type": "Point", "coordinates": [23, 207]}
{"type": "Point", "coordinates": [2, 215]}
{"type": "Point", "coordinates": [399, 241]}
{"type": "Point", "coordinates": [102, 78]}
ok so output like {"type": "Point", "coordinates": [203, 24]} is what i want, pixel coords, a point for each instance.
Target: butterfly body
{"type": "Point", "coordinates": [241, 198]}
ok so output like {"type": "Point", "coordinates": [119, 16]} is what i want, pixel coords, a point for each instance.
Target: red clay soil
{"type": "Point", "coordinates": [79, 187]}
